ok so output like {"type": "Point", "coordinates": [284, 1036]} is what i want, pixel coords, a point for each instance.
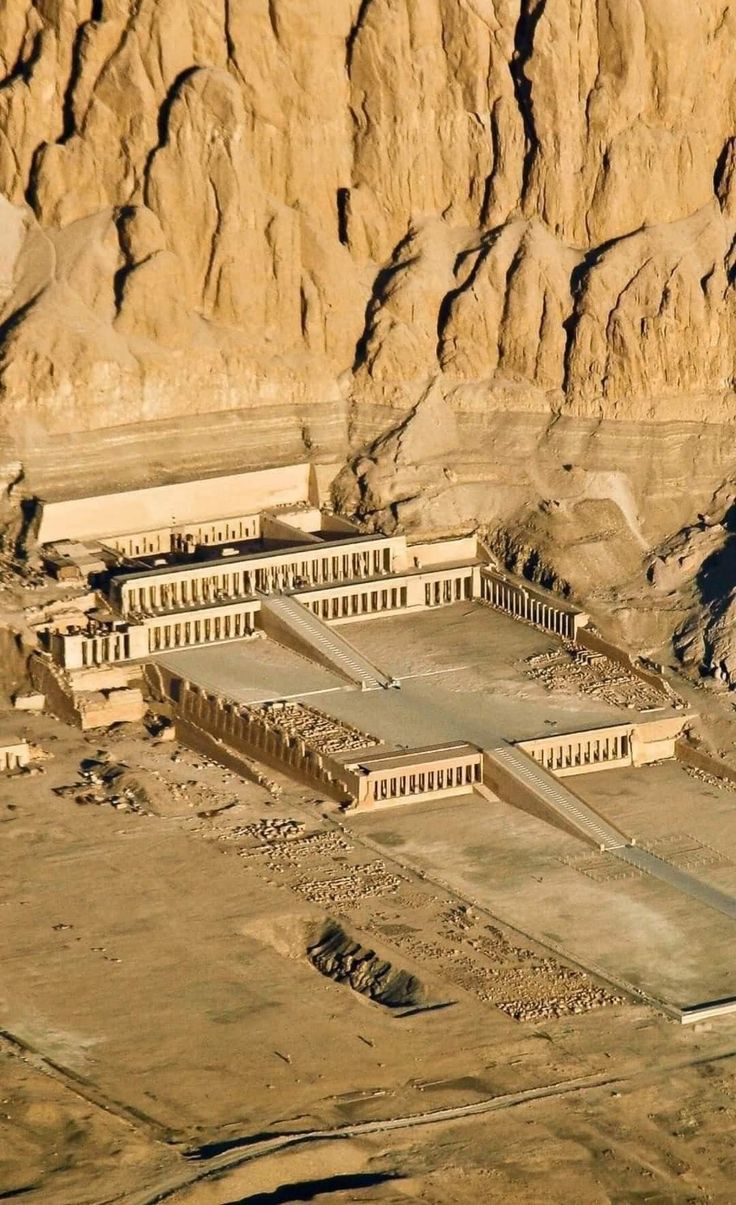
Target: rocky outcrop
{"type": "Point", "coordinates": [207, 204]}
{"type": "Point", "coordinates": [501, 232]}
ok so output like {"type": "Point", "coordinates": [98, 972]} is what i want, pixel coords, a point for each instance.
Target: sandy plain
{"type": "Point", "coordinates": [167, 1035]}
{"type": "Point", "coordinates": [162, 1022]}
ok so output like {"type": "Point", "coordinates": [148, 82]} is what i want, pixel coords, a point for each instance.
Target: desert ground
{"type": "Point", "coordinates": [217, 990]}
{"type": "Point", "coordinates": [478, 259]}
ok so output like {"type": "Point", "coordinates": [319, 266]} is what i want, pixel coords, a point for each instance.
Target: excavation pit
{"type": "Point", "coordinates": [336, 955]}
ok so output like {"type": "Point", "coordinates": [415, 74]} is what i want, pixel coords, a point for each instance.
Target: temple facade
{"type": "Point", "coordinates": [204, 582]}
{"type": "Point", "coordinates": [295, 572]}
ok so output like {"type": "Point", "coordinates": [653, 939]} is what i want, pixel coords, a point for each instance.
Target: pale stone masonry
{"type": "Point", "coordinates": [183, 574]}
{"type": "Point", "coordinates": [524, 601]}
{"type": "Point", "coordinates": [605, 748]}
{"type": "Point", "coordinates": [203, 589]}
{"type": "Point", "coordinates": [14, 753]}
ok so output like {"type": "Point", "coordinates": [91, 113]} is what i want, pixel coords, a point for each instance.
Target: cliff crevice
{"type": "Point", "coordinates": [533, 198]}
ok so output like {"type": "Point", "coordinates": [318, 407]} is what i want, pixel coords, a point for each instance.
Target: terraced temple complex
{"type": "Point", "coordinates": [259, 562]}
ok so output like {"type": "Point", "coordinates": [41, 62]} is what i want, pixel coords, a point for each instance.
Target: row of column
{"type": "Point", "coordinates": [252, 736]}
{"type": "Point", "coordinates": [107, 649]}
{"type": "Point", "coordinates": [447, 590]}
{"type": "Point", "coordinates": [583, 752]}
{"type": "Point", "coordinates": [186, 632]}
{"type": "Point", "coordinates": [404, 783]}
{"type": "Point", "coordinates": [167, 539]}
{"type": "Point", "coordinates": [219, 533]}
{"type": "Point", "coordinates": [518, 602]}
{"type": "Point", "coordinates": [190, 589]}
{"type": "Point", "coordinates": [363, 603]}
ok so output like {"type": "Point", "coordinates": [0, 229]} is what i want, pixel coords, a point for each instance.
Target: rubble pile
{"type": "Point", "coordinates": [574, 668]}
{"type": "Point", "coordinates": [319, 731]}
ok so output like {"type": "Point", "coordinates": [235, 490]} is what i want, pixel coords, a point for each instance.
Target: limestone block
{"type": "Point", "coordinates": [32, 701]}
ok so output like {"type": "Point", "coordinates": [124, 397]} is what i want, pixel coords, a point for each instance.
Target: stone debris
{"type": "Point", "coordinates": [710, 780]}
{"type": "Point", "coordinates": [33, 701]}
{"type": "Point", "coordinates": [574, 668]}
{"type": "Point", "coordinates": [479, 958]}
{"type": "Point", "coordinates": [268, 829]}
{"type": "Point", "coordinates": [294, 850]}
{"type": "Point", "coordinates": [107, 783]}
{"type": "Point", "coordinates": [316, 729]}
{"type": "Point", "coordinates": [37, 754]}
{"type": "Point", "coordinates": [358, 883]}
{"type": "Point", "coordinates": [453, 939]}
{"type": "Point", "coordinates": [581, 1001]}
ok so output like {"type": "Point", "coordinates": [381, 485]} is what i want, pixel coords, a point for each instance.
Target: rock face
{"type": "Point", "coordinates": [501, 232]}
{"type": "Point", "coordinates": [206, 204]}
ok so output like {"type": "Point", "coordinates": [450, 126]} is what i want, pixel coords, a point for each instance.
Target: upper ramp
{"type": "Point", "coordinates": [290, 623]}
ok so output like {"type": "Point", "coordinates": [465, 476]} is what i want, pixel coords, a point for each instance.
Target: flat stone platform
{"type": "Point", "coordinates": [460, 668]}
{"type": "Point", "coordinates": [462, 677]}
{"type": "Point", "coordinates": [608, 915]}
{"type": "Point", "coordinates": [252, 671]}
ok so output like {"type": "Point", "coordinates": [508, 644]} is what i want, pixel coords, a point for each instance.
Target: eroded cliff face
{"type": "Point", "coordinates": [210, 203]}
{"type": "Point", "coordinates": [503, 232]}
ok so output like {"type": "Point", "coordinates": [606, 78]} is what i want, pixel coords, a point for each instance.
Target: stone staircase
{"type": "Point", "coordinates": [557, 800]}
{"type": "Point", "coordinates": [292, 624]}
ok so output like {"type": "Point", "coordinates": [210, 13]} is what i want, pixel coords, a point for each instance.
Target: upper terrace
{"type": "Point", "coordinates": [166, 508]}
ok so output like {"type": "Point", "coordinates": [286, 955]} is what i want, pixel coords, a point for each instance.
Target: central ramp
{"type": "Point", "coordinates": [286, 621]}
{"type": "Point", "coordinates": [518, 779]}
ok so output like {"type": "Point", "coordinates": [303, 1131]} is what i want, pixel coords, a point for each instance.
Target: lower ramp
{"type": "Point", "coordinates": [516, 778]}
{"type": "Point", "coordinates": [290, 623]}
{"type": "Point", "coordinates": [681, 880]}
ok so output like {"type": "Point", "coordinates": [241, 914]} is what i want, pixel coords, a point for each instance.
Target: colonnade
{"type": "Point", "coordinates": [355, 603]}
{"type": "Point", "coordinates": [185, 537]}
{"type": "Point", "coordinates": [108, 647]}
{"type": "Point", "coordinates": [581, 751]}
{"type": "Point", "coordinates": [247, 731]}
{"type": "Point", "coordinates": [190, 586]}
{"type": "Point", "coordinates": [198, 629]}
{"type": "Point", "coordinates": [449, 589]}
{"type": "Point", "coordinates": [105, 646]}
{"type": "Point", "coordinates": [343, 601]}
{"type": "Point", "coordinates": [130, 642]}
{"type": "Point", "coordinates": [191, 536]}
{"type": "Point", "coordinates": [522, 604]}
{"type": "Point", "coordinates": [404, 781]}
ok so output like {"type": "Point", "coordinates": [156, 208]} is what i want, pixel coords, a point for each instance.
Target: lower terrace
{"type": "Point", "coordinates": [548, 884]}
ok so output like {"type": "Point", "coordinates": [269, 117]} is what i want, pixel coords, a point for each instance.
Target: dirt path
{"type": "Point", "coordinates": [235, 1158]}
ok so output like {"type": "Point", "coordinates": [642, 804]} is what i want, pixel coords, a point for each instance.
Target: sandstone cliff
{"type": "Point", "coordinates": [209, 203]}
{"type": "Point", "coordinates": [501, 232]}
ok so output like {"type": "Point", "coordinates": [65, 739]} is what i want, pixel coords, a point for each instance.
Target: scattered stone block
{"type": "Point", "coordinates": [33, 701]}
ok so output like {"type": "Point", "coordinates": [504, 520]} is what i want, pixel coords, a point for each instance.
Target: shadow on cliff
{"type": "Point", "coordinates": [716, 577]}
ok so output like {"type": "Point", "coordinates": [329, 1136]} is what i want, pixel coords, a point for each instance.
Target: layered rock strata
{"type": "Point", "coordinates": [207, 206]}
{"type": "Point", "coordinates": [485, 227]}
